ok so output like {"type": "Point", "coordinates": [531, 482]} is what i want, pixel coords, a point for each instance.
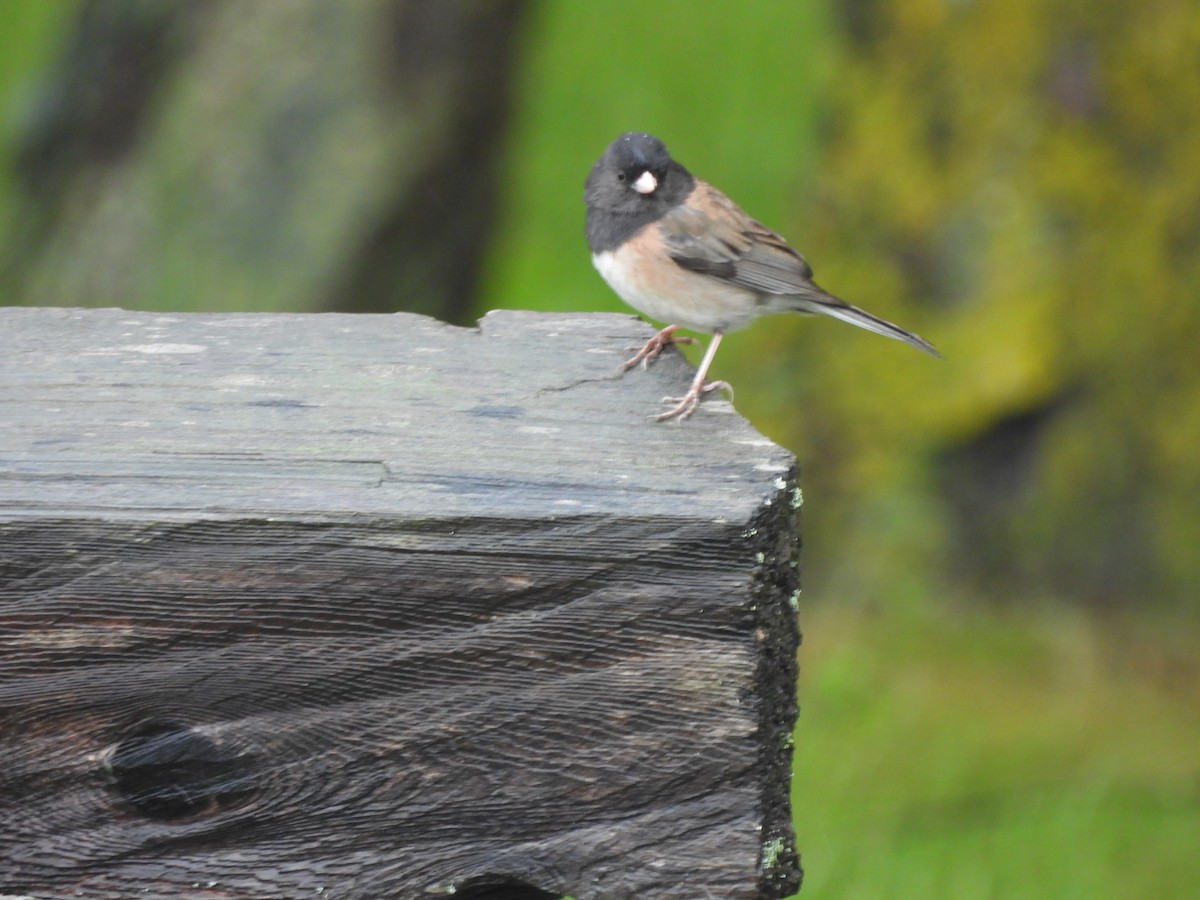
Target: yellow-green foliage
{"type": "Point", "coordinates": [1018, 182]}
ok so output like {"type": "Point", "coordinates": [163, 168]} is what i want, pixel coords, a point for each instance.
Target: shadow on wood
{"type": "Point", "coordinates": [370, 606]}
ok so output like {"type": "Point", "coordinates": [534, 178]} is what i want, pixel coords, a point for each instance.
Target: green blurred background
{"type": "Point", "coordinates": [1000, 681]}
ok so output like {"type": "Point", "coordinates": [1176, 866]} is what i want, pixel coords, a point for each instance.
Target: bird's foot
{"type": "Point", "coordinates": [655, 346]}
{"type": "Point", "coordinates": [690, 402]}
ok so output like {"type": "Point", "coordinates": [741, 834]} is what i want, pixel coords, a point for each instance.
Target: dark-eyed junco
{"type": "Point", "coordinates": [678, 250]}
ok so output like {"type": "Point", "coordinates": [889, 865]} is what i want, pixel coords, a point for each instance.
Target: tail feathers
{"type": "Point", "coordinates": [831, 306]}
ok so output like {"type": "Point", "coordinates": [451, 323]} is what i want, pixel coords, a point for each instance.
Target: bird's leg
{"type": "Point", "coordinates": [655, 346]}
{"type": "Point", "coordinates": [687, 404]}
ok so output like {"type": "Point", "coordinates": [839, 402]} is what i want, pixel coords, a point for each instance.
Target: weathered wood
{"type": "Point", "coordinates": [371, 606]}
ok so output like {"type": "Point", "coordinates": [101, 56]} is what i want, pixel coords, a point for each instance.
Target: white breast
{"type": "Point", "coordinates": [675, 295]}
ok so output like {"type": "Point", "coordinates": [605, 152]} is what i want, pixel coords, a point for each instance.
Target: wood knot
{"type": "Point", "coordinates": [169, 771]}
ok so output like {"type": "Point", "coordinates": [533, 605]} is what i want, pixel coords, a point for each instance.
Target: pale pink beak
{"type": "Point", "coordinates": [646, 183]}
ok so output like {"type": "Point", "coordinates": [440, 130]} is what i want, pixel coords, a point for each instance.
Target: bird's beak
{"type": "Point", "coordinates": [646, 183]}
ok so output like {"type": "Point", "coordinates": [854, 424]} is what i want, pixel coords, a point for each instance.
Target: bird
{"type": "Point", "coordinates": [678, 250]}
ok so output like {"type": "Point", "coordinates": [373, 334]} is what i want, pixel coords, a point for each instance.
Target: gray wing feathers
{"type": "Point", "coordinates": [737, 249]}
{"type": "Point", "coordinates": [719, 240]}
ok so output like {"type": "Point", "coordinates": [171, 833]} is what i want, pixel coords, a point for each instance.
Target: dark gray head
{"type": "Point", "coordinates": [633, 184]}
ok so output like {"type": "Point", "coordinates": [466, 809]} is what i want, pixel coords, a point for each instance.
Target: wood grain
{"type": "Point", "coordinates": [370, 606]}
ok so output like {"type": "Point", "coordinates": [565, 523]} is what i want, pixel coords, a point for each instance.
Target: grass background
{"type": "Point", "coordinates": [951, 751]}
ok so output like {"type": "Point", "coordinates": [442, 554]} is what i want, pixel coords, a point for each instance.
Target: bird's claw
{"type": "Point", "coordinates": [690, 402]}
{"type": "Point", "coordinates": [649, 350]}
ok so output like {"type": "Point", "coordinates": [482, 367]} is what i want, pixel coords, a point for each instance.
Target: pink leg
{"type": "Point", "coordinates": [687, 404]}
{"type": "Point", "coordinates": [655, 346]}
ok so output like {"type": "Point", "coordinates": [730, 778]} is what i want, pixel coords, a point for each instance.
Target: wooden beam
{"type": "Point", "coordinates": [367, 606]}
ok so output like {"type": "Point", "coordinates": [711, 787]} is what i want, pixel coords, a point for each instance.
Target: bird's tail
{"type": "Point", "coordinates": [828, 305]}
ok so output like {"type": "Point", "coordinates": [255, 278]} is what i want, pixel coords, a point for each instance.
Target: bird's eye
{"type": "Point", "coordinates": [620, 176]}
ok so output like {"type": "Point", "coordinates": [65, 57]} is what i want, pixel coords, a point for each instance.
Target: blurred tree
{"type": "Point", "coordinates": [212, 155]}
{"type": "Point", "coordinates": [1018, 182]}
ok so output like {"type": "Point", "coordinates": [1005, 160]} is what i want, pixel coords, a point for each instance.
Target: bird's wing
{"type": "Point", "coordinates": [711, 235]}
